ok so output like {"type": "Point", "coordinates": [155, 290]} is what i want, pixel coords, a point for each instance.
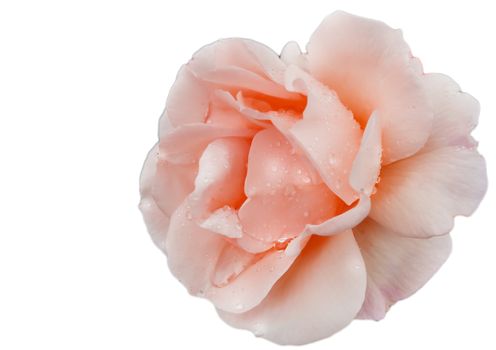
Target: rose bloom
{"type": "Point", "coordinates": [299, 192]}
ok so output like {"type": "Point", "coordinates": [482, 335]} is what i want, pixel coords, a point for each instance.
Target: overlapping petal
{"type": "Point", "coordinates": [370, 67]}
{"type": "Point", "coordinates": [396, 266]}
{"type": "Point", "coordinates": [318, 296]}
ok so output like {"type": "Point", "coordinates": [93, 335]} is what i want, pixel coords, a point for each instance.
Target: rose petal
{"type": "Point", "coordinates": [396, 266]}
{"type": "Point", "coordinates": [235, 77]}
{"type": "Point", "coordinates": [291, 54]}
{"type": "Point", "coordinates": [172, 183]}
{"type": "Point", "coordinates": [283, 215]}
{"type": "Point", "coordinates": [195, 253]}
{"type": "Point", "coordinates": [367, 163]}
{"type": "Point", "coordinates": [348, 219]}
{"type": "Point", "coordinates": [241, 64]}
{"type": "Point", "coordinates": [327, 134]}
{"type": "Point", "coordinates": [317, 297]}
{"type": "Point", "coordinates": [157, 222]}
{"type": "Point", "coordinates": [185, 143]}
{"type": "Point", "coordinates": [180, 109]}
{"type": "Point", "coordinates": [234, 52]}
{"type": "Point", "coordinates": [273, 165]}
{"type": "Point", "coordinates": [221, 174]}
{"type": "Point", "coordinates": [455, 113]}
{"type": "Point", "coordinates": [421, 195]}
{"type": "Point", "coordinates": [252, 285]}
{"type": "Point", "coordinates": [370, 67]}
{"type": "Point", "coordinates": [225, 221]}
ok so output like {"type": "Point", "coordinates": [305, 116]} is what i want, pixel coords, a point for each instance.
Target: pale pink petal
{"type": "Point", "coordinates": [248, 288]}
{"type": "Point", "coordinates": [283, 215]}
{"type": "Point", "coordinates": [223, 113]}
{"type": "Point", "coordinates": [455, 113]}
{"type": "Point", "coordinates": [346, 220]}
{"type": "Point", "coordinates": [421, 195]}
{"type": "Point", "coordinates": [237, 105]}
{"type": "Point", "coordinates": [220, 179]}
{"type": "Point", "coordinates": [291, 54]}
{"type": "Point", "coordinates": [318, 296]}
{"type": "Point", "coordinates": [327, 134]}
{"type": "Point", "coordinates": [370, 67]}
{"type": "Point", "coordinates": [200, 258]}
{"type": "Point", "coordinates": [241, 64]}
{"type": "Point", "coordinates": [172, 183]}
{"type": "Point", "coordinates": [185, 143]}
{"type": "Point", "coordinates": [192, 250]}
{"type": "Point", "coordinates": [229, 52]}
{"type": "Point", "coordinates": [273, 165]}
{"type": "Point", "coordinates": [367, 163]}
{"type": "Point", "coordinates": [238, 78]}
{"type": "Point", "coordinates": [396, 266]}
{"type": "Point", "coordinates": [225, 221]}
{"type": "Point", "coordinates": [253, 245]}
{"type": "Point", "coordinates": [157, 222]}
{"type": "Point", "coordinates": [187, 101]}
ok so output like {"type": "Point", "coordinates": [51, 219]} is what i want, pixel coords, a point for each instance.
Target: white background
{"type": "Point", "coordinates": [82, 84]}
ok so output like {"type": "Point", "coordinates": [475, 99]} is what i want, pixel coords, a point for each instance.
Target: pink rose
{"type": "Point", "coordinates": [299, 192]}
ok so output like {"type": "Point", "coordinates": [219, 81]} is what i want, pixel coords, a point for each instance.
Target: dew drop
{"type": "Point", "coordinates": [306, 214]}
{"type": "Point", "coordinates": [239, 307]}
{"type": "Point", "coordinates": [189, 216]}
{"type": "Point", "coordinates": [306, 179]}
{"type": "Point", "coordinates": [289, 191]}
{"type": "Point", "coordinates": [332, 159]}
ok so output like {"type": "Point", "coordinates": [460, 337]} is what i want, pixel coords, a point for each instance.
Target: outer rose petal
{"type": "Point", "coordinates": [194, 254]}
{"type": "Point", "coordinates": [396, 266]}
{"type": "Point", "coordinates": [179, 107]}
{"type": "Point", "coordinates": [420, 196]}
{"type": "Point", "coordinates": [172, 183]}
{"type": "Point", "coordinates": [186, 143]}
{"type": "Point", "coordinates": [455, 113]}
{"type": "Point", "coordinates": [156, 221]}
{"type": "Point", "coordinates": [371, 68]}
{"type": "Point", "coordinates": [318, 296]}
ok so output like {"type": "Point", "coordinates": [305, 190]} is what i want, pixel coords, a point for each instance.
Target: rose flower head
{"type": "Point", "coordinates": [300, 191]}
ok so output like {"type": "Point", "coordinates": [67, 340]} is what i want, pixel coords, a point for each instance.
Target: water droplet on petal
{"type": "Point", "coordinates": [332, 159]}
{"type": "Point", "coordinates": [239, 307]}
{"type": "Point", "coordinates": [306, 179]}
{"type": "Point", "coordinates": [306, 214]}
